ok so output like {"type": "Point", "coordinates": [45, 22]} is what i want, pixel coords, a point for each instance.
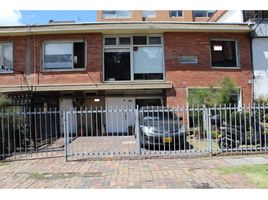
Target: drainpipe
{"type": "Point", "coordinates": [251, 36]}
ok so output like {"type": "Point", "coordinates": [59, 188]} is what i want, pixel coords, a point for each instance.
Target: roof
{"type": "Point", "coordinates": [123, 28]}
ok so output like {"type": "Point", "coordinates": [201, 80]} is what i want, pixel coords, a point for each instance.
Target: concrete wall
{"type": "Point", "coordinates": [260, 65]}
{"type": "Point", "coordinates": [261, 28]}
{"type": "Point", "coordinates": [231, 16]}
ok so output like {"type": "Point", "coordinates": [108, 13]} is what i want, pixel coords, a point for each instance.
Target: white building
{"type": "Point", "coordinates": [259, 24]}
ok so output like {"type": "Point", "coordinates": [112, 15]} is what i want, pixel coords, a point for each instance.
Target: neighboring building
{"type": "Point", "coordinates": [259, 24]}
{"type": "Point", "coordinates": [154, 15]}
{"type": "Point", "coordinates": [229, 16]}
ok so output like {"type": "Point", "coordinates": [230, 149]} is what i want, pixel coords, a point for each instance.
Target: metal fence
{"type": "Point", "coordinates": [131, 132]}
{"type": "Point", "coordinates": [30, 134]}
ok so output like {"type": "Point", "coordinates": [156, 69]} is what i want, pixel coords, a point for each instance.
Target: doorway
{"type": "Point", "coordinates": [119, 122]}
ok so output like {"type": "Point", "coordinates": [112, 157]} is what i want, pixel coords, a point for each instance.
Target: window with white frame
{"type": "Point", "coordinates": [64, 55]}
{"type": "Point", "coordinates": [113, 14]}
{"type": "Point", "coordinates": [175, 13]}
{"type": "Point", "coordinates": [129, 58]}
{"type": "Point", "coordinates": [148, 13]}
{"type": "Point", "coordinates": [6, 56]}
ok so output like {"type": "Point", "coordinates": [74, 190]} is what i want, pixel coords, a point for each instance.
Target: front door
{"type": "Point", "coordinates": [119, 119]}
{"type": "Point", "coordinates": [67, 105]}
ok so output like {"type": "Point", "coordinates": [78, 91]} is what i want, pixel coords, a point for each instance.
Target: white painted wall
{"type": "Point", "coordinates": [260, 66]}
{"type": "Point", "coordinates": [232, 16]}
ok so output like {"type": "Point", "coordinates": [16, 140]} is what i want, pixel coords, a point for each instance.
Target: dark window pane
{"type": "Point", "coordinates": [175, 13]}
{"type": "Point", "coordinates": [201, 13]}
{"type": "Point", "coordinates": [154, 40]}
{"type": "Point", "coordinates": [109, 14]}
{"type": "Point", "coordinates": [79, 55]}
{"type": "Point", "coordinates": [148, 76]}
{"type": "Point", "coordinates": [110, 41]}
{"type": "Point", "coordinates": [139, 40]}
{"type": "Point", "coordinates": [210, 12]}
{"type": "Point", "coordinates": [117, 66]}
{"type": "Point", "coordinates": [124, 40]}
{"type": "Point", "coordinates": [223, 53]}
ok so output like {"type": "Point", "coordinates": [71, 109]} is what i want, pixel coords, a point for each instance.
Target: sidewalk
{"type": "Point", "coordinates": [144, 173]}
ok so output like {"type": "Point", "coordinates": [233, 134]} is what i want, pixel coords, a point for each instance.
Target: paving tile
{"type": "Point", "coordinates": [237, 161]}
{"type": "Point", "coordinates": [257, 160]}
{"type": "Point", "coordinates": [143, 173]}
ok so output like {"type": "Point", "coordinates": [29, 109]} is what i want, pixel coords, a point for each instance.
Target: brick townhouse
{"type": "Point", "coordinates": [125, 63]}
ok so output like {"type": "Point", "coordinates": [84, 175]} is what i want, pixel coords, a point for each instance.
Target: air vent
{"type": "Point", "coordinates": [188, 59]}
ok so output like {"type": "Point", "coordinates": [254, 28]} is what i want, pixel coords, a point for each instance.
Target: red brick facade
{"type": "Point", "coordinates": [182, 76]}
{"type": "Point", "coordinates": [92, 73]}
{"type": "Point", "coordinates": [185, 76]}
{"type": "Point", "coordinates": [93, 70]}
{"type": "Point", "coordinates": [160, 15]}
{"type": "Point", "coordinates": [15, 78]}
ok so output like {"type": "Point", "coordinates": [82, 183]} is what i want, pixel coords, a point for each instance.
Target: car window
{"type": "Point", "coordinates": [159, 116]}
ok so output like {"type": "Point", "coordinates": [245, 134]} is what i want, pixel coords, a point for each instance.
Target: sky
{"type": "Point", "coordinates": [25, 17]}
{"type": "Point", "coordinates": [29, 12]}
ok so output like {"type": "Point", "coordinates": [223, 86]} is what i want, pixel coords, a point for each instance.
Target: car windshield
{"type": "Point", "coordinates": [159, 116]}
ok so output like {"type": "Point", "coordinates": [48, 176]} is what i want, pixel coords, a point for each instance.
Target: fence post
{"type": "Point", "coordinates": [209, 135]}
{"type": "Point", "coordinates": [65, 136]}
{"type": "Point", "coordinates": [137, 131]}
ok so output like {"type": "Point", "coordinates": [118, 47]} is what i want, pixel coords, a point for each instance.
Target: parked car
{"type": "Point", "coordinates": [161, 128]}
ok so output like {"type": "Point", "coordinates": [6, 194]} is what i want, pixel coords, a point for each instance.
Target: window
{"type": "Point", "coordinates": [154, 40]}
{"type": "Point", "coordinates": [175, 13]}
{"type": "Point", "coordinates": [6, 57]}
{"type": "Point", "coordinates": [113, 14]}
{"type": "Point", "coordinates": [188, 59]}
{"type": "Point", "coordinates": [64, 55]}
{"type": "Point", "coordinates": [223, 54]}
{"type": "Point", "coordinates": [210, 96]}
{"type": "Point", "coordinates": [139, 40]}
{"type": "Point", "coordinates": [148, 13]}
{"type": "Point", "coordinates": [148, 63]}
{"type": "Point", "coordinates": [134, 58]}
{"type": "Point", "coordinates": [117, 65]}
{"type": "Point", "coordinates": [203, 13]}
{"type": "Point", "coordinates": [110, 41]}
{"type": "Point", "coordinates": [124, 40]}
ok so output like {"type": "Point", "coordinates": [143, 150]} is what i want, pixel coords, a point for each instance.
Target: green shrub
{"type": "Point", "coordinates": [213, 96]}
{"type": "Point", "coordinates": [4, 101]}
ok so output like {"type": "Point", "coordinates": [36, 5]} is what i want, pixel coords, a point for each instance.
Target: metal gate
{"type": "Point", "coordinates": [100, 132]}
{"type": "Point", "coordinates": [133, 132]}
{"type": "Point", "coordinates": [151, 131]}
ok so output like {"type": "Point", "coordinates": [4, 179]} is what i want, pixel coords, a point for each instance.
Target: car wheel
{"type": "Point", "coordinates": [225, 143]}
